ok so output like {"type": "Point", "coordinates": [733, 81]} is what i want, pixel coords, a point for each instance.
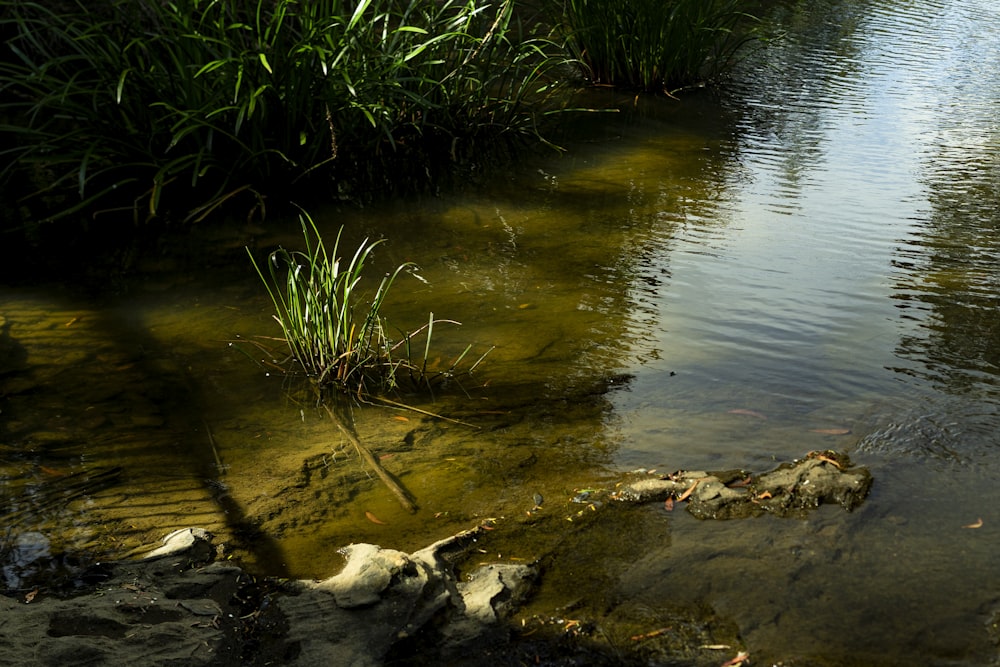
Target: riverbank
{"type": "Point", "coordinates": [183, 605]}
{"type": "Point", "coordinates": [185, 602]}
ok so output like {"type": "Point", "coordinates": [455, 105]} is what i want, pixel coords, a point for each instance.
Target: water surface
{"type": "Point", "coordinates": [706, 283]}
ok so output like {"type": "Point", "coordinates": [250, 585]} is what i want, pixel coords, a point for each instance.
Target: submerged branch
{"type": "Point", "coordinates": [401, 494]}
{"type": "Point", "coordinates": [404, 406]}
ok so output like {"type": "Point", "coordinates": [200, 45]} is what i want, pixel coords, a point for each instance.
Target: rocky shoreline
{"type": "Point", "coordinates": [185, 604]}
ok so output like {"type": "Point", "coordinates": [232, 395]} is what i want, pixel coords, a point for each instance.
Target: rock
{"type": "Point", "coordinates": [24, 555]}
{"type": "Point", "coordinates": [181, 540]}
{"type": "Point", "coordinates": [494, 591]}
{"type": "Point", "coordinates": [490, 594]}
{"type": "Point", "coordinates": [383, 596]}
{"type": "Point", "coordinates": [131, 612]}
{"type": "Point", "coordinates": [369, 572]}
{"type": "Point", "coordinates": [174, 607]}
{"type": "Point", "coordinates": [790, 489]}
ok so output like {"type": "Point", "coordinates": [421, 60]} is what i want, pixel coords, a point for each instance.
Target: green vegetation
{"type": "Point", "coordinates": [176, 109]}
{"type": "Point", "coordinates": [315, 299]}
{"type": "Point", "coordinates": [155, 107]}
{"type": "Point", "coordinates": [336, 335]}
{"type": "Point", "coordinates": [654, 45]}
{"type": "Point", "coordinates": [338, 338]}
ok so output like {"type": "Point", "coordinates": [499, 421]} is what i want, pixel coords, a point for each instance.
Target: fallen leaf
{"type": "Point", "coordinates": [831, 431]}
{"type": "Point", "coordinates": [740, 658]}
{"type": "Point", "coordinates": [374, 519]}
{"type": "Point", "coordinates": [748, 413]}
{"type": "Point", "coordinates": [690, 490]}
{"type": "Point", "coordinates": [741, 483]}
{"type": "Point", "coordinates": [977, 524]}
{"type": "Point", "coordinates": [649, 635]}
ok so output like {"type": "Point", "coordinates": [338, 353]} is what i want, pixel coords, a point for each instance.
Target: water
{"type": "Point", "coordinates": [696, 284]}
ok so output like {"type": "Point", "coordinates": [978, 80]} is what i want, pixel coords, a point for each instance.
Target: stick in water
{"type": "Point", "coordinates": [365, 453]}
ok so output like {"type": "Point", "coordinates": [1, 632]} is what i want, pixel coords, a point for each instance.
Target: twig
{"type": "Point", "coordinates": [401, 494]}
{"type": "Point", "coordinates": [404, 406]}
{"type": "Point", "coordinates": [221, 469]}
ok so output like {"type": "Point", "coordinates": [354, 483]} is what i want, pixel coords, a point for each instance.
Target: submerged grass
{"type": "Point", "coordinates": [187, 105]}
{"type": "Point", "coordinates": [654, 45]}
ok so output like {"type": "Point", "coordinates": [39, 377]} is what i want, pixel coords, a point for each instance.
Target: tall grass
{"type": "Point", "coordinates": [335, 332]}
{"type": "Point", "coordinates": [654, 45]}
{"type": "Point", "coordinates": [149, 106]}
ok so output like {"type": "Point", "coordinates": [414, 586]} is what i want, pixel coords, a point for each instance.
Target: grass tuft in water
{"type": "Point", "coordinates": [335, 333]}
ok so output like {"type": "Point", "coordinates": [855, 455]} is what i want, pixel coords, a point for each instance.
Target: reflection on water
{"type": "Point", "coordinates": [805, 260]}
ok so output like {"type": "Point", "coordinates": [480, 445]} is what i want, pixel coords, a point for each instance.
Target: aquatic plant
{"type": "Point", "coordinates": [338, 337]}
{"type": "Point", "coordinates": [191, 104]}
{"type": "Point", "coordinates": [329, 333]}
{"type": "Point", "coordinates": [334, 332]}
{"type": "Point", "coordinates": [654, 45]}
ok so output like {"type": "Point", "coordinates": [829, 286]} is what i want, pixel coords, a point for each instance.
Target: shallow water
{"type": "Point", "coordinates": [697, 284]}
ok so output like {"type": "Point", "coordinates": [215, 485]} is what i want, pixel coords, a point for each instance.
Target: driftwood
{"type": "Point", "coordinates": [401, 494]}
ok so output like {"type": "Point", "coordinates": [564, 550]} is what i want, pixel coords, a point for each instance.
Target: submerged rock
{"type": "Point", "coordinates": [790, 489]}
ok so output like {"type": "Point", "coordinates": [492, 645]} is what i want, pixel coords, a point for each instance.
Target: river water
{"type": "Point", "coordinates": [804, 259]}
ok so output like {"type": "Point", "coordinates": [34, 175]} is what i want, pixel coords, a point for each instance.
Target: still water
{"type": "Point", "coordinates": [708, 283]}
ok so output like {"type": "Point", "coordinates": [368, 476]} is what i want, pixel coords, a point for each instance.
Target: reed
{"type": "Point", "coordinates": [335, 332]}
{"type": "Point", "coordinates": [316, 296]}
{"type": "Point", "coordinates": [189, 105]}
{"type": "Point", "coordinates": [338, 337]}
{"type": "Point", "coordinates": [654, 45]}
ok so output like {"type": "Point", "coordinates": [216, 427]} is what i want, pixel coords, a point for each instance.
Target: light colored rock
{"type": "Point", "coordinates": [369, 572]}
{"type": "Point", "coordinates": [179, 541]}
{"type": "Point", "coordinates": [493, 591]}
{"type": "Point", "coordinates": [383, 595]}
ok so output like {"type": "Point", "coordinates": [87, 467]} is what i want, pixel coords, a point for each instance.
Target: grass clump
{"type": "Point", "coordinates": [334, 332]}
{"type": "Point", "coordinates": [654, 45]}
{"type": "Point", "coordinates": [183, 106]}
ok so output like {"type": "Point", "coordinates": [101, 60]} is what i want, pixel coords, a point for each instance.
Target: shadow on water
{"type": "Point", "coordinates": [104, 444]}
